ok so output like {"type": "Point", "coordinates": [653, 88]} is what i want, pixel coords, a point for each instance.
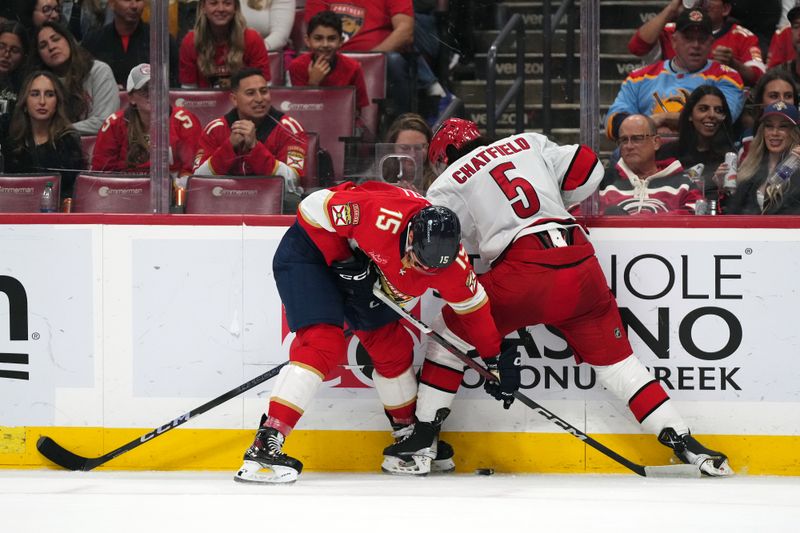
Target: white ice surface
{"type": "Point", "coordinates": [120, 502]}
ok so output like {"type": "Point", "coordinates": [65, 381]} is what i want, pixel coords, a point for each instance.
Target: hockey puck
{"type": "Point", "coordinates": [484, 471]}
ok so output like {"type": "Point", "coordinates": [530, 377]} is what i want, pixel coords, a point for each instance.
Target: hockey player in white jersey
{"type": "Point", "coordinates": [511, 198]}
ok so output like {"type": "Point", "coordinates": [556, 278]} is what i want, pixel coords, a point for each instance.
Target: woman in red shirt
{"type": "Point", "coordinates": [123, 144]}
{"type": "Point", "coordinates": [220, 45]}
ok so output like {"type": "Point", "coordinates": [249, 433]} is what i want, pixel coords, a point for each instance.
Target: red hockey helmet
{"type": "Point", "coordinates": [454, 132]}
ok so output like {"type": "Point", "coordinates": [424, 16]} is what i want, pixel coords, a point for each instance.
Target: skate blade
{"type": "Point", "coordinates": [442, 466]}
{"type": "Point", "coordinates": [723, 470]}
{"type": "Point", "coordinates": [419, 465]}
{"type": "Point", "coordinates": [253, 472]}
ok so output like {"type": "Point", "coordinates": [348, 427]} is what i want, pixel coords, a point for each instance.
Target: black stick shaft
{"type": "Point", "coordinates": [480, 369]}
{"type": "Point", "coordinates": [71, 461]}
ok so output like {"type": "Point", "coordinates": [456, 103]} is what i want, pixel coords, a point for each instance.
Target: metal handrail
{"type": "Point", "coordinates": [548, 33]}
{"type": "Point", "coordinates": [494, 110]}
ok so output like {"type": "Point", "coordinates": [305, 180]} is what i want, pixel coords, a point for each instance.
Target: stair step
{"type": "Point", "coordinates": [612, 66]}
{"type": "Point", "coordinates": [474, 91]}
{"type": "Point", "coordinates": [562, 115]}
{"type": "Point", "coordinates": [613, 14]}
{"type": "Point", "coordinates": [611, 41]}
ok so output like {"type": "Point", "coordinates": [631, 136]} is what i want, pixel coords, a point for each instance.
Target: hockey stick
{"type": "Point", "coordinates": [684, 471]}
{"type": "Point", "coordinates": [71, 461]}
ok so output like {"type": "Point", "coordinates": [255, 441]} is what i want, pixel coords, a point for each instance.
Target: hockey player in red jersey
{"type": "Point", "coordinates": [325, 268]}
{"type": "Point", "coordinates": [510, 197]}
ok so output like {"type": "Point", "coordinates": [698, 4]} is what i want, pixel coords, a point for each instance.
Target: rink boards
{"type": "Point", "coordinates": [112, 325]}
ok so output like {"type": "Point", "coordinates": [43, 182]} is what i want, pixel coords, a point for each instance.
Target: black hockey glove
{"type": "Point", "coordinates": [355, 277]}
{"type": "Point", "coordinates": [506, 368]}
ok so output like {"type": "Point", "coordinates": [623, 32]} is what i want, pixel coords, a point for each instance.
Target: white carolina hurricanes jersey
{"type": "Point", "coordinates": [515, 186]}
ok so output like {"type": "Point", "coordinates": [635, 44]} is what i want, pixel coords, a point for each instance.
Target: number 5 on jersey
{"type": "Point", "coordinates": [517, 189]}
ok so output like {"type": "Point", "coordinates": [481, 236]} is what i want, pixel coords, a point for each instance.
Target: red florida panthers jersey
{"type": "Point", "coordinates": [374, 217]}
{"type": "Point", "coordinates": [110, 151]}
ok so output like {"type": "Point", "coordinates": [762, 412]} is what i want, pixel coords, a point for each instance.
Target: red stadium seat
{"type": "Point", "coordinates": [310, 179]}
{"type": "Point", "coordinates": [374, 66]}
{"type": "Point", "coordinates": [254, 195]}
{"type": "Point", "coordinates": [276, 68]}
{"type": "Point", "coordinates": [87, 145]}
{"type": "Point", "coordinates": [297, 36]}
{"type": "Point", "coordinates": [110, 193]}
{"type": "Point", "coordinates": [22, 193]}
{"type": "Point", "coordinates": [206, 104]}
{"type": "Point", "coordinates": [327, 110]}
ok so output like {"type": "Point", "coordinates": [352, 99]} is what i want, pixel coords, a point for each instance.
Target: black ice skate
{"type": "Point", "coordinates": [690, 451]}
{"type": "Point", "coordinates": [264, 462]}
{"type": "Point", "coordinates": [417, 449]}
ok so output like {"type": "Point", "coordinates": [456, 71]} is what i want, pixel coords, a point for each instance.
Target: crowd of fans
{"type": "Point", "coordinates": [707, 111]}
{"type": "Point", "coordinates": [65, 64]}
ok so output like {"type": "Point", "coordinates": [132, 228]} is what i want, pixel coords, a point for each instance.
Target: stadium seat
{"type": "Point", "coordinates": [330, 111]}
{"type": "Point", "coordinates": [310, 180]}
{"type": "Point", "coordinates": [374, 66]}
{"type": "Point", "coordinates": [254, 195]}
{"type": "Point", "coordinates": [22, 193]}
{"type": "Point", "coordinates": [206, 104]}
{"type": "Point", "coordinates": [297, 35]}
{"type": "Point", "coordinates": [111, 193]}
{"type": "Point", "coordinates": [87, 145]}
{"type": "Point", "coordinates": [276, 68]}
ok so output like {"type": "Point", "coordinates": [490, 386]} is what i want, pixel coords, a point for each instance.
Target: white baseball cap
{"type": "Point", "coordinates": [139, 76]}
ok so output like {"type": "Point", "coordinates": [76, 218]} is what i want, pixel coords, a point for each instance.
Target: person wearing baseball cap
{"type": "Point", "coordinates": [123, 143]}
{"type": "Point", "coordinates": [732, 45]}
{"type": "Point", "coordinates": [776, 143]}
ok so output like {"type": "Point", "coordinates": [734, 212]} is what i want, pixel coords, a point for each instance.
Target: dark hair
{"type": "Point", "coordinates": [26, 12]}
{"type": "Point", "coordinates": [771, 75]}
{"type": "Point", "coordinates": [687, 134]}
{"type": "Point", "coordinates": [78, 67]}
{"type": "Point", "coordinates": [246, 72]}
{"type": "Point", "coordinates": [19, 30]}
{"type": "Point", "coordinates": [20, 131]}
{"type": "Point", "coordinates": [329, 19]}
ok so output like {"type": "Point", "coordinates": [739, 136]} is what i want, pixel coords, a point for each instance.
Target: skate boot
{"type": "Point", "coordinates": [690, 451]}
{"type": "Point", "coordinates": [264, 462]}
{"type": "Point", "coordinates": [417, 449]}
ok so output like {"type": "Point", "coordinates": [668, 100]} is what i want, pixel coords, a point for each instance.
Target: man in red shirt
{"type": "Point", "coordinates": [323, 65]}
{"type": "Point", "coordinates": [254, 139]}
{"type": "Point", "coordinates": [734, 45]}
{"type": "Point", "coordinates": [384, 26]}
{"type": "Point", "coordinates": [325, 267]}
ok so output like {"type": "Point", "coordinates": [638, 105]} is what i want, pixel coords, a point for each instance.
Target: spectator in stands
{"type": "Point", "coordinates": [323, 65]}
{"type": "Point", "coordinates": [732, 45]}
{"type": "Point", "coordinates": [776, 136]}
{"type": "Point", "coordinates": [705, 135]}
{"type": "Point", "coordinates": [88, 15]}
{"type": "Point", "coordinates": [91, 92]}
{"type": "Point", "coordinates": [125, 42]}
{"type": "Point", "coordinates": [660, 89]}
{"type": "Point", "coordinates": [41, 138]}
{"type": "Point", "coordinates": [762, 17]}
{"type": "Point", "coordinates": [781, 47]}
{"type": "Point", "coordinates": [641, 185]}
{"type": "Point", "coordinates": [123, 143]}
{"type": "Point", "coordinates": [220, 45]}
{"type": "Point", "coordinates": [410, 130]}
{"type": "Point", "coordinates": [273, 19]}
{"type": "Point", "coordinates": [37, 12]}
{"type": "Point", "coordinates": [254, 138]}
{"type": "Point", "coordinates": [791, 66]}
{"type": "Point", "coordinates": [776, 85]}
{"type": "Point", "coordinates": [13, 49]}
{"type": "Point", "coordinates": [385, 26]}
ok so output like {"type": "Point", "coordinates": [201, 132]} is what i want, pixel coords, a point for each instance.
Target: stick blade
{"type": "Point", "coordinates": [64, 458]}
{"type": "Point", "coordinates": [681, 471]}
